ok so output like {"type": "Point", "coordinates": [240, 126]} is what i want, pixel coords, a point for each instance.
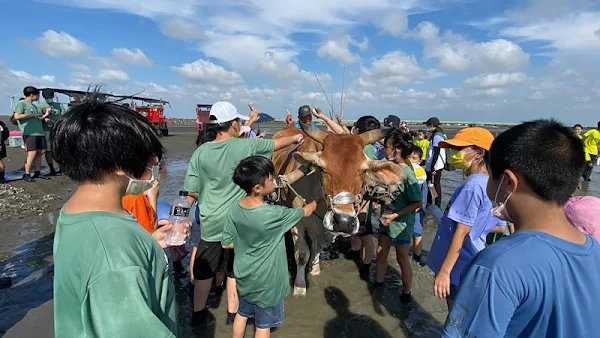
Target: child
{"type": "Point", "coordinates": [421, 175]}
{"type": "Point", "coordinates": [398, 220]}
{"type": "Point", "coordinates": [256, 231]}
{"type": "Point", "coordinates": [468, 218]}
{"type": "Point", "coordinates": [110, 275]}
{"type": "Point", "coordinates": [423, 143]}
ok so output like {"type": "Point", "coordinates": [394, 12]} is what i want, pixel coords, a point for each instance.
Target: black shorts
{"type": "Point", "coordinates": [33, 143]}
{"type": "Point", "coordinates": [210, 257]}
{"type": "Point", "coordinates": [2, 150]}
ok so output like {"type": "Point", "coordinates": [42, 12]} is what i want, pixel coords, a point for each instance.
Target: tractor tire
{"type": "Point", "coordinates": [164, 132]}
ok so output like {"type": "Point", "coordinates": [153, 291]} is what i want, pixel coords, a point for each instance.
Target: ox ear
{"type": "Point", "coordinates": [384, 172]}
{"type": "Point", "coordinates": [313, 158]}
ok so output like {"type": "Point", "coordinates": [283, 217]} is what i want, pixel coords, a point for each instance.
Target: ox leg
{"type": "Point", "coordinates": [316, 267]}
{"type": "Point", "coordinates": [301, 254]}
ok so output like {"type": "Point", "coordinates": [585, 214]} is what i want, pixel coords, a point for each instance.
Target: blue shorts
{"type": "Point", "coordinates": [264, 318]}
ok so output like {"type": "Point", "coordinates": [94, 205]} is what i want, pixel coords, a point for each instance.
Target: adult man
{"type": "Point", "coordinates": [56, 110]}
{"type": "Point", "coordinates": [305, 116]}
{"type": "Point", "coordinates": [392, 121]}
{"type": "Point", "coordinates": [30, 123]}
{"type": "Point", "coordinates": [542, 280]}
{"type": "Point", "coordinates": [591, 141]}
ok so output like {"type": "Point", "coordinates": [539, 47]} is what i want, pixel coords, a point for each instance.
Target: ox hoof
{"type": "Point", "coordinates": [299, 292]}
{"type": "Point", "coordinates": [316, 270]}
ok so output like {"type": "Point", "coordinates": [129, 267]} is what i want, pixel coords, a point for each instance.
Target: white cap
{"type": "Point", "coordinates": [225, 112]}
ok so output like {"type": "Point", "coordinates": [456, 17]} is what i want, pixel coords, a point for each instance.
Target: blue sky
{"type": "Point", "coordinates": [498, 61]}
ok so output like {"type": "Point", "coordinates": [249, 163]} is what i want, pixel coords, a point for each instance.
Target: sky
{"type": "Point", "coordinates": [460, 60]}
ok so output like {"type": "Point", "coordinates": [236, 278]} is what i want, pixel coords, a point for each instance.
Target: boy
{"type": "Point", "coordinates": [415, 159]}
{"type": "Point", "coordinates": [55, 111]}
{"type": "Point", "coordinates": [111, 276]}
{"type": "Point", "coordinates": [256, 232]}
{"type": "Point", "coordinates": [541, 281]}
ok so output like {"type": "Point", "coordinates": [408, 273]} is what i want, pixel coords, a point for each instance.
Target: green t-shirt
{"type": "Point", "coordinates": [260, 265]}
{"type": "Point", "coordinates": [370, 151]}
{"type": "Point", "coordinates": [111, 279]}
{"type": "Point", "coordinates": [57, 111]}
{"type": "Point", "coordinates": [32, 126]}
{"type": "Point", "coordinates": [210, 174]}
{"type": "Point", "coordinates": [408, 192]}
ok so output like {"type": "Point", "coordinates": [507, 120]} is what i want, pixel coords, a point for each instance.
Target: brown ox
{"type": "Point", "coordinates": [338, 186]}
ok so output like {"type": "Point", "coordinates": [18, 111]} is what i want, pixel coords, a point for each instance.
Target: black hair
{"type": "Point", "coordinates": [367, 123]}
{"type": "Point", "coordinates": [213, 129]}
{"type": "Point", "coordinates": [413, 134]}
{"type": "Point", "coordinates": [418, 151]}
{"type": "Point", "coordinates": [578, 126]}
{"type": "Point", "coordinates": [401, 141]}
{"type": "Point", "coordinates": [96, 138]}
{"type": "Point", "coordinates": [47, 93]}
{"type": "Point", "coordinates": [598, 125]}
{"type": "Point", "coordinates": [29, 90]}
{"type": "Point", "coordinates": [546, 153]}
{"type": "Point", "coordinates": [252, 171]}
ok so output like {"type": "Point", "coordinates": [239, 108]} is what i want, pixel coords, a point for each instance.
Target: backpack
{"type": "Point", "coordinates": [446, 157]}
{"type": "Point", "coordinates": [4, 131]}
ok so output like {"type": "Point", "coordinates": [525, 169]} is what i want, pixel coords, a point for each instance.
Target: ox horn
{"type": "Point", "coordinates": [315, 134]}
{"type": "Point", "coordinates": [375, 135]}
{"type": "Point", "coordinates": [297, 174]}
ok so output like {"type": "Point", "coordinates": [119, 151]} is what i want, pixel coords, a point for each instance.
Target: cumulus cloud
{"type": "Point", "coordinates": [393, 22]}
{"type": "Point", "coordinates": [338, 50]}
{"type": "Point", "coordinates": [131, 56]}
{"type": "Point", "coordinates": [60, 44]}
{"type": "Point", "coordinates": [495, 80]}
{"type": "Point", "coordinates": [394, 68]}
{"type": "Point", "coordinates": [113, 75]}
{"type": "Point", "coordinates": [24, 77]}
{"type": "Point", "coordinates": [204, 70]}
{"type": "Point", "coordinates": [455, 53]}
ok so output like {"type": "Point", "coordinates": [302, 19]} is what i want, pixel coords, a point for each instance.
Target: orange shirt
{"type": "Point", "coordinates": [139, 206]}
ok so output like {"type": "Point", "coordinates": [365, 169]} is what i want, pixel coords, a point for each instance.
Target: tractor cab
{"type": "Point", "coordinates": [202, 115]}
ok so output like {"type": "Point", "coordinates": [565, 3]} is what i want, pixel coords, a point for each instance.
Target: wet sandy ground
{"type": "Point", "coordinates": [338, 302]}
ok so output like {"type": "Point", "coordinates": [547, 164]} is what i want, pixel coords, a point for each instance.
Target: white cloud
{"type": "Point", "coordinates": [495, 80]}
{"type": "Point", "coordinates": [204, 70]}
{"type": "Point", "coordinates": [449, 93]}
{"type": "Point", "coordinates": [393, 22]}
{"type": "Point", "coordinates": [60, 44]}
{"type": "Point", "coordinates": [149, 9]}
{"type": "Point", "coordinates": [131, 56]}
{"type": "Point", "coordinates": [32, 80]}
{"type": "Point", "coordinates": [113, 75]}
{"type": "Point", "coordinates": [338, 50]}
{"type": "Point", "coordinates": [393, 68]}
{"type": "Point", "coordinates": [455, 53]}
{"type": "Point", "coordinates": [181, 29]}
{"type": "Point", "coordinates": [536, 95]}
{"type": "Point", "coordinates": [493, 92]}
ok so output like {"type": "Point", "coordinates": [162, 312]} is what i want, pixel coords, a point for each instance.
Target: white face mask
{"type": "Point", "coordinates": [500, 208]}
{"type": "Point", "coordinates": [137, 187]}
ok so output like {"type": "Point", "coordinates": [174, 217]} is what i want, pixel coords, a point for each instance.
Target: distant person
{"type": "Point", "coordinates": [392, 121]}
{"type": "Point", "coordinates": [4, 135]}
{"type": "Point", "coordinates": [436, 159]}
{"type": "Point", "coordinates": [316, 112]}
{"type": "Point", "coordinates": [305, 116]}
{"type": "Point", "coordinates": [110, 275]}
{"type": "Point", "coordinates": [542, 280]}
{"type": "Point", "coordinates": [55, 111]}
{"type": "Point", "coordinates": [255, 230]}
{"type": "Point", "coordinates": [398, 218]}
{"type": "Point", "coordinates": [30, 120]}
{"type": "Point", "coordinates": [208, 179]}
{"type": "Point", "coordinates": [578, 129]}
{"type": "Point", "coordinates": [468, 219]}
{"type": "Point", "coordinates": [591, 142]}
{"type": "Point", "coordinates": [422, 142]}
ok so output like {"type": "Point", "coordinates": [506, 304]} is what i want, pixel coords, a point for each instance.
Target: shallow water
{"type": "Point", "coordinates": [338, 302]}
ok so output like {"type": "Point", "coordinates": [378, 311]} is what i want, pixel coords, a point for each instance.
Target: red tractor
{"type": "Point", "coordinates": [154, 113]}
{"type": "Point", "coordinates": [202, 115]}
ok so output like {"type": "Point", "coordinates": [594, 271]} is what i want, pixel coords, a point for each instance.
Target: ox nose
{"type": "Point", "coordinates": [343, 223]}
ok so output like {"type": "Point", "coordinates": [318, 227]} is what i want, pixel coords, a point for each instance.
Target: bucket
{"type": "Point", "coordinates": [15, 141]}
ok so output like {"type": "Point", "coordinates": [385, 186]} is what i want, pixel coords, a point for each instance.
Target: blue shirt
{"type": "Point", "coordinates": [311, 125]}
{"type": "Point", "coordinates": [470, 206]}
{"type": "Point", "coordinates": [379, 150]}
{"type": "Point", "coordinates": [529, 284]}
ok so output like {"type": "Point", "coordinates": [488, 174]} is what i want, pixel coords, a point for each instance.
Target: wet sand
{"type": "Point", "coordinates": [337, 300]}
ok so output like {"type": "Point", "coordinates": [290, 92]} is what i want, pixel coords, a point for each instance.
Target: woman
{"type": "Point", "coordinates": [435, 160]}
{"type": "Point", "coordinates": [209, 180]}
{"type": "Point", "coordinates": [398, 220]}
{"type": "Point", "coordinates": [468, 218]}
